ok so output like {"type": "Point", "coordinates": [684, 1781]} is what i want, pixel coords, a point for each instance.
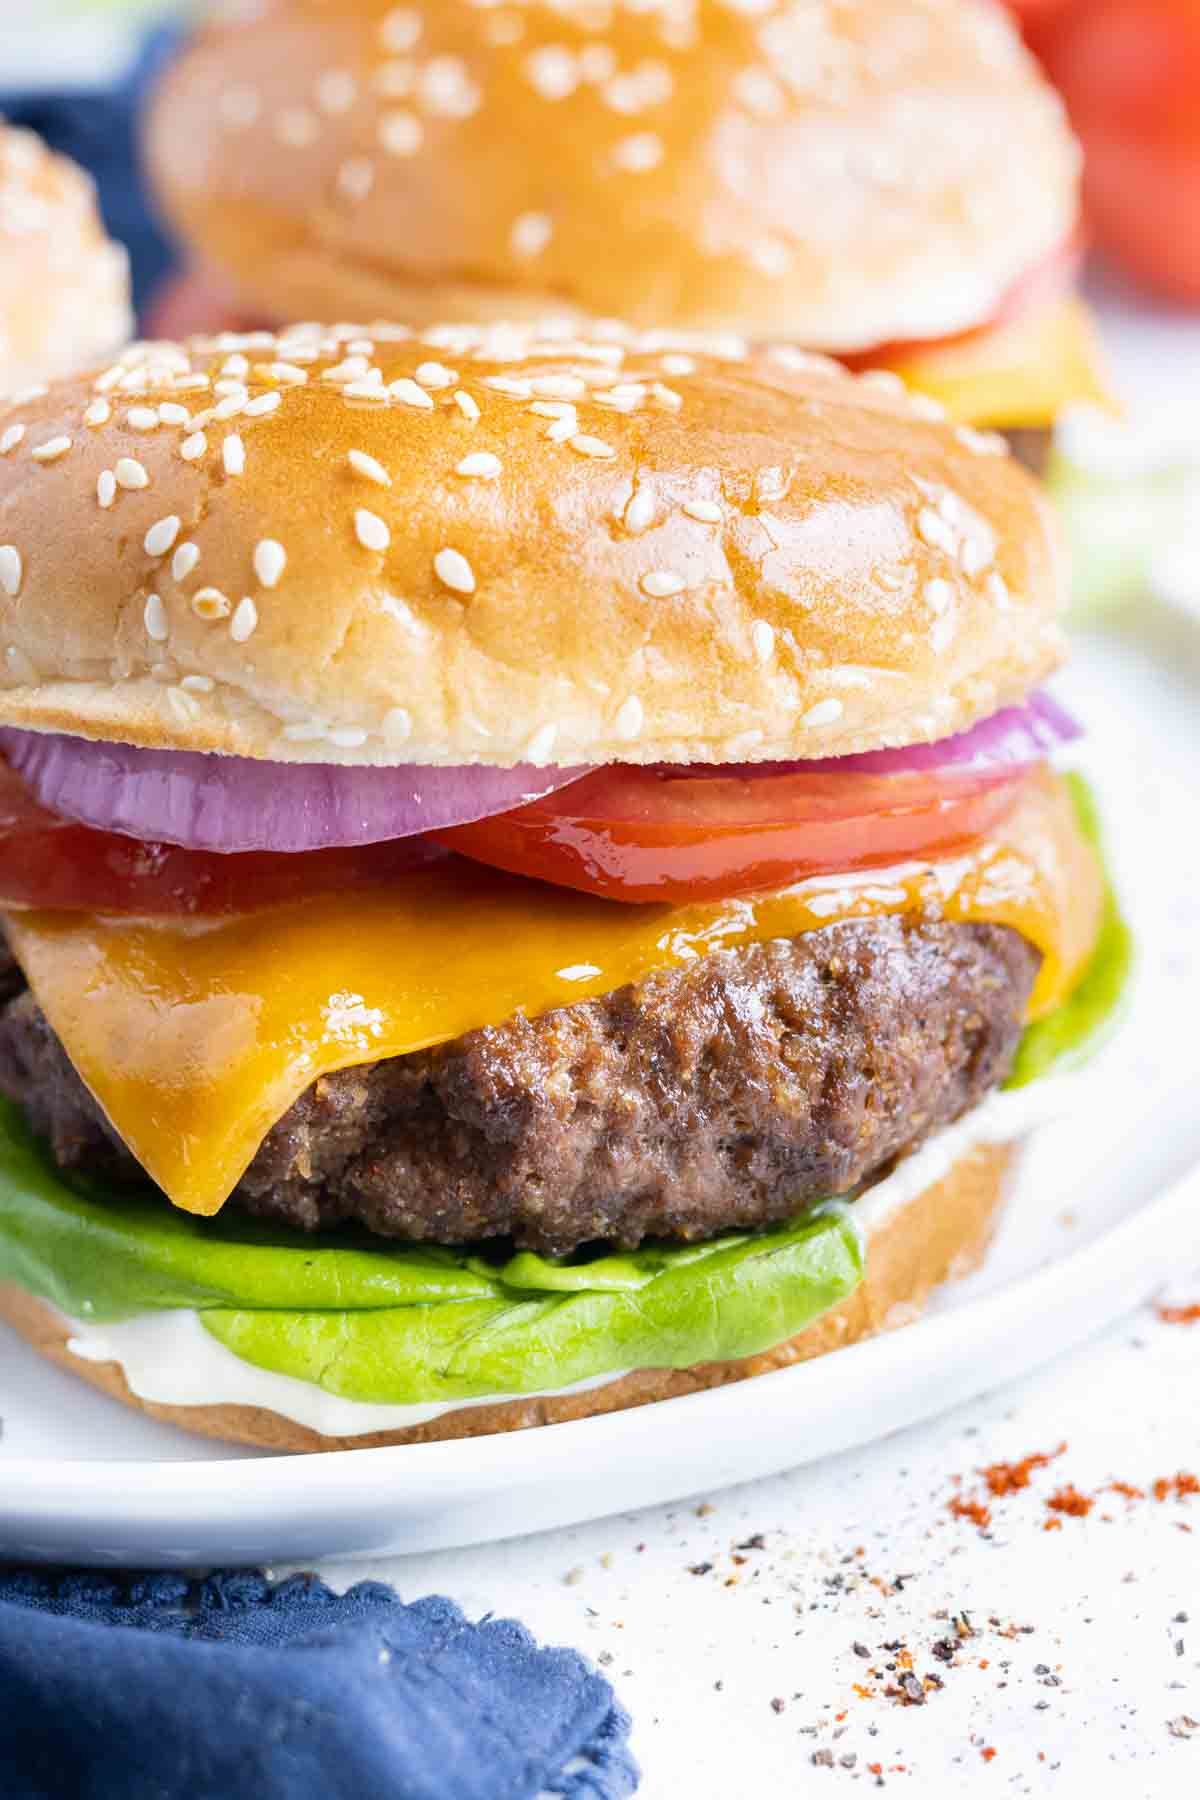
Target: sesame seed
{"type": "Point", "coordinates": [823, 713]}
{"type": "Point", "coordinates": [481, 463]}
{"type": "Point", "coordinates": [270, 560]}
{"type": "Point", "coordinates": [197, 684]}
{"type": "Point", "coordinates": [975, 554]}
{"type": "Point", "coordinates": [591, 446]}
{"type": "Point", "coordinates": [230, 406]}
{"type": "Point", "coordinates": [288, 373]}
{"type": "Point", "coordinates": [435, 375]}
{"type": "Point", "coordinates": [530, 234]}
{"type": "Point", "coordinates": [938, 594]}
{"type": "Point", "coordinates": [370, 530]}
{"type": "Point", "coordinates": [154, 616]}
{"type": "Point", "coordinates": [98, 413]}
{"type": "Point", "coordinates": [512, 385]}
{"type": "Point", "coordinates": [934, 530]}
{"type": "Point", "coordinates": [926, 407]}
{"type": "Point", "coordinates": [130, 473]}
{"type": "Point", "coordinates": [639, 511]}
{"type": "Point", "coordinates": [305, 731]}
{"type": "Point", "coordinates": [706, 511]}
{"type": "Point", "coordinates": [161, 535]}
{"type": "Point", "coordinates": [400, 28]}
{"type": "Point", "coordinates": [263, 404]}
{"type": "Point", "coordinates": [942, 633]}
{"type": "Point", "coordinates": [400, 133]}
{"type": "Point", "coordinates": [980, 443]}
{"type": "Point", "coordinates": [184, 561]}
{"type": "Point", "coordinates": [347, 737]}
{"type": "Point", "coordinates": [11, 438]}
{"type": "Point", "coordinates": [237, 366]}
{"type": "Point", "coordinates": [553, 71]}
{"type": "Point", "coordinates": [192, 448]}
{"type": "Point", "coordinates": [554, 409]}
{"type": "Point", "coordinates": [356, 177]}
{"type": "Point", "coordinates": [453, 569]}
{"type": "Point", "coordinates": [997, 590]}
{"type": "Point", "coordinates": [678, 365]}
{"type": "Point", "coordinates": [638, 154]}
{"type": "Point", "coordinates": [762, 636]}
{"type": "Point", "coordinates": [210, 603]}
{"type": "Point", "coordinates": [142, 418]}
{"type": "Point", "coordinates": [233, 454]}
{"type": "Point", "coordinates": [244, 621]}
{"type": "Point", "coordinates": [296, 127]}
{"type": "Point", "coordinates": [660, 584]}
{"type": "Point", "coordinates": [367, 466]}
{"type": "Point", "coordinates": [106, 488]}
{"type": "Point", "coordinates": [171, 413]}
{"type": "Point", "coordinates": [666, 397]}
{"type": "Point", "coordinates": [630, 717]}
{"type": "Point", "coordinates": [563, 428]}
{"type": "Point", "coordinates": [397, 725]}
{"type": "Point", "coordinates": [336, 91]}
{"type": "Point", "coordinates": [409, 394]}
{"type": "Point", "coordinates": [51, 450]}
{"type": "Point", "coordinates": [10, 570]}
{"type": "Point", "coordinates": [468, 407]}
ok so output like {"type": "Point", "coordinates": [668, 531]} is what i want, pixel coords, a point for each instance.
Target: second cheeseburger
{"type": "Point", "coordinates": [500, 833]}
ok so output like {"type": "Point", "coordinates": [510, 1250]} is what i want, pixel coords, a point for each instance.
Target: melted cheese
{"type": "Point", "coordinates": [1021, 373]}
{"type": "Point", "coordinates": [196, 1037]}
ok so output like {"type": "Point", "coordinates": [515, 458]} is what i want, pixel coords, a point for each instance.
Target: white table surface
{"type": "Point", "coordinates": [1083, 1670]}
{"type": "Point", "coordinates": [1085, 1667]}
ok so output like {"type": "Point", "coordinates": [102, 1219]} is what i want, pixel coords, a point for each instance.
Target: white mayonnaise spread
{"type": "Point", "coordinates": [168, 1357]}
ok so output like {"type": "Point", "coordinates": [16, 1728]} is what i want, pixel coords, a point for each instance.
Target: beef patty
{"type": "Point", "coordinates": [725, 1093]}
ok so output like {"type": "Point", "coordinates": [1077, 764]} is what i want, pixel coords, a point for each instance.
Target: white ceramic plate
{"type": "Point", "coordinates": [1106, 1207]}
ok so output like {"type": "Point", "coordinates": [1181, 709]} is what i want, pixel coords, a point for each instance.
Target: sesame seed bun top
{"type": "Point", "coordinates": [481, 544]}
{"type": "Point", "coordinates": [64, 286]}
{"type": "Point", "coordinates": [838, 173]}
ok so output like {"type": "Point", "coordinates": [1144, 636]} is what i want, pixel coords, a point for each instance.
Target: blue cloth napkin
{"type": "Point", "coordinates": [156, 1687]}
{"type": "Point", "coordinates": [99, 129]}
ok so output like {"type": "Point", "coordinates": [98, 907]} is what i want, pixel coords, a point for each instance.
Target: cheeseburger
{"type": "Point", "coordinates": [891, 181]}
{"type": "Point", "coordinates": [532, 868]}
{"type": "Point", "coordinates": [64, 286]}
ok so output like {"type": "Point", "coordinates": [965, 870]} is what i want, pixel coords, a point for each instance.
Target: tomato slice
{"type": "Point", "coordinates": [1048, 280]}
{"type": "Point", "coordinates": [49, 861]}
{"type": "Point", "coordinates": [658, 834]}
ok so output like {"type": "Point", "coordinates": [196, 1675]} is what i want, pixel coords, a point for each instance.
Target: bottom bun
{"type": "Point", "coordinates": [938, 1236]}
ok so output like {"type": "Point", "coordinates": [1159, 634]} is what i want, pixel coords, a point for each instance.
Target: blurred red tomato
{"type": "Point", "coordinates": [1129, 71]}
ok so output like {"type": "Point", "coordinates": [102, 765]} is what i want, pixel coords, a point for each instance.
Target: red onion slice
{"type": "Point", "coordinates": [230, 803]}
{"type": "Point", "coordinates": [1013, 738]}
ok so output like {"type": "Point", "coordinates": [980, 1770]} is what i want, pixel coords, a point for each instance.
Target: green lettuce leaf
{"type": "Point", "coordinates": [403, 1323]}
{"type": "Point", "coordinates": [1074, 1031]}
